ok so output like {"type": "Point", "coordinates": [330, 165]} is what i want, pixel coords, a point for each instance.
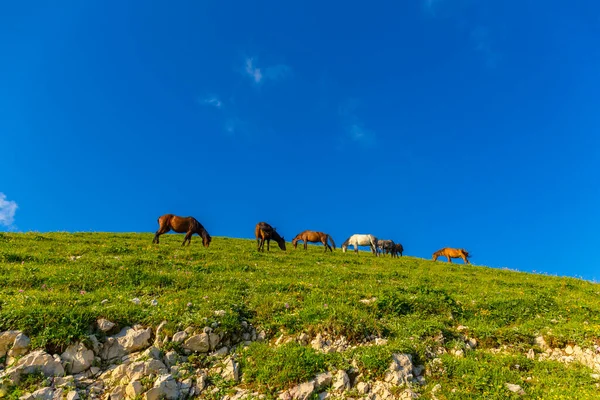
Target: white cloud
{"type": "Point", "coordinates": [7, 211]}
{"type": "Point", "coordinates": [253, 71]}
{"type": "Point", "coordinates": [353, 126]}
{"type": "Point", "coordinates": [213, 101]}
{"type": "Point", "coordinates": [274, 73]}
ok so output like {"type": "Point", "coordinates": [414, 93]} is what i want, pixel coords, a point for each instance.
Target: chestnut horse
{"type": "Point", "coordinates": [313, 237]}
{"type": "Point", "coordinates": [264, 231]}
{"type": "Point", "coordinates": [451, 253]}
{"type": "Point", "coordinates": [190, 225]}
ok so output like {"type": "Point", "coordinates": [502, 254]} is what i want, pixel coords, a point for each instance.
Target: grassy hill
{"type": "Point", "coordinates": [52, 287]}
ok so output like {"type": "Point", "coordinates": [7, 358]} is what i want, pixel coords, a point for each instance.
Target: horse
{"type": "Point", "coordinates": [397, 249]}
{"type": "Point", "coordinates": [361, 240]}
{"type": "Point", "coordinates": [313, 237]}
{"type": "Point", "coordinates": [264, 231]}
{"type": "Point", "coordinates": [190, 225]}
{"type": "Point", "coordinates": [386, 246]}
{"type": "Point", "coordinates": [451, 253]}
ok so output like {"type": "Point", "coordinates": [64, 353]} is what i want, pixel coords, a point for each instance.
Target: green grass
{"type": "Point", "coordinates": [56, 301]}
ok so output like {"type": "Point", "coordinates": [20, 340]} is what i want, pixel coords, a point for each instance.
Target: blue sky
{"type": "Point", "coordinates": [434, 123]}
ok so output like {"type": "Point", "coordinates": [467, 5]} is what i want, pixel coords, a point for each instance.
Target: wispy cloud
{"type": "Point", "coordinates": [212, 101]}
{"type": "Point", "coordinates": [354, 128]}
{"type": "Point", "coordinates": [274, 72]}
{"type": "Point", "coordinates": [7, 211]}
{"type": "Point", "coordinates": [480, 36]}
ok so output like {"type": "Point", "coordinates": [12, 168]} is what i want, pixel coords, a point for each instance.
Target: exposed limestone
{"type": "Point", "coordinates": [6, 341]}
{"type": "Point", "coordinates": [341, 382]}
{"type": "Point", "coordinates": [515, 388]}
{"type": "Point", "coordinates": [179, 337]}
{"type": "Point", "coordinates": [198, 343]}
{"type": "Point", "coordinates": [400, 369]}
{"type": "Point", "coordinates": [134, 389]}
{"type": "Point", "coordinates": [167, 386]}
{"type": "Point", "coordinates": [77, 358]}
{"type": "Point", "coordinates": [126, 341]}
{"type": "Point", "coordinates": [231, 370]}
{"type": "Point", "coordinates": [105, 325]}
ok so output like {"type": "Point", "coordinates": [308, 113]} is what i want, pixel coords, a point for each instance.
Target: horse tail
{"type": "Point", "coordinates": [332, 242]}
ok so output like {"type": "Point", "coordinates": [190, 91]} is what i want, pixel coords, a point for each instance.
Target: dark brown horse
{"type": "Point", "coordinates": [313, 237]}
{"type": "Point", "coordinates": [397, 249]}
{"type": "Point", "coordinates": [264, 231]}
{"type": "Point", "coordinates": [451, 253]}
{"type": "Point", "coordinates": [190, 225]}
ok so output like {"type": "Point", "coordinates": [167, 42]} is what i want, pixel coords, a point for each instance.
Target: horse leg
{"type": "Point", "coordinates": [268, 244]}
{"type": "Point", "coordinates": [449, 260]}
{"type": "Point", "coordinates": [306, 245]}
{"type": "Point", "coordinates": [187, 238]}
{"type": "Point", "coordinates": [160, 231]}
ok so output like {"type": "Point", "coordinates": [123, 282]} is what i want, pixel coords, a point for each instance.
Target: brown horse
{"type": "Point", "coordinates": [313, 237]}
{"type": "Point", "coordinates": [451, 253]}
{"type": "Point", "coordinates": [190, 225]}
{"type": "Point", "coordinates": [264, 231]}
{"type": "Point", "coordinates": [397, 249]}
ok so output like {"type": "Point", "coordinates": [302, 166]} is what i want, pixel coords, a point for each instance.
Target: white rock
{"type": "Point", "coordinates": [541, 343]}
{"type": "Point", "coordinates": [72, 395]}
{"type": "Point", "coordinates": [531, 354]}
{"type": "Point", "coordinates": [154, 303]}
{"type": "Point", "coordinates": [38, 360]}
{"type": "Point", "coordinates": [20, 347]}
{"type": "Point", "coordinates": [135, 300]}
{"type": "Point", "coordinates": [514, 388]}
{"type": "Point", "coordinates": [323, 380]}
{"type": "Point", "coordinates": [231, 370]}
{"type": "Point", "coordinates": [6, 341]}
{"type": "Point", "coordinates": [301, 392]}
{"type": "Point", "coordinates": [179, 337]}
{"type": "Point", "coordinates": [118, 393]}
{"type": "Point", "coordinates": [126, 341]}
{"type": "Point", "coordinates": [569, 350]}
{"type": "Point", "coordinates": [198, 343]}
{"type": "Point", "coordinates": [105, 325]}
{"type": "Point", "coordinates": [220, 313]}
{"type": "Point", "coordinates": [171, 358]}
{"type": "Point", "coordinates": [400, 369]}
{"type": "Point", "coordinates": [43, 394]}
{"type": "Point", "coordinates": [220, 352]}
{"type": "Point", "coordinates": [134, 389]}
{"type": "Point", "coordinates": [168, 386]}
{"type": "Point", "coordinates": [341, 381]}
{"type": "Point", "coordinates": [363, 387]}
{"type": "Point", "coordinates": [77, 358]}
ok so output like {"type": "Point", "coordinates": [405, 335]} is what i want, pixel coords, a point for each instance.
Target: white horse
{"type": "Point", "coordinates": [361, 240]}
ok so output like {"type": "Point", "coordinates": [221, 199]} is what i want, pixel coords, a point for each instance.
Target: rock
{"type": "Point", "coordinates": [118, 393]}
{"type": "Point", "coordinates": [77, 358]}
{"type": "Point", "coordinates": [186, 387]}
{"type": "Point", "coordinates": [66, 382]}
{"type": "Point", "coordinates": [157, 339]}
{"type": "Point", "coordinates": [457, 352]}
{"type": "Point", "coordinates": [541, 343]}
{"type": "Point", "coordinates": [363, 387]}
{"type": "Point", "coordinates": [323, 380]}
{"type": "Point", "coordinates": [134, 389]}
{"type": "Point", "coordinates": [220, 352]}
{"type": "Point", "coordinates": [36, 361]}
{"type": "Point", "coordinates": [20, 347]}
{"type": "Point", "coordinates": [43, 394]}
{"type": "Point", "coordinates": [471, 343]}
{"type": "Point", "coordinates": [569, 350]}
{"type": "Point", "coordinates": [95, 345]}
{"type": "Point", "coordinates": [408, 394]}
{"type": "Point", "coordinates": [6, 341]}
{"type": "Point", "coordinates": [168, 387]}
{"type": "Point", "coordinates": [126, 341]}
{"type": "Point", "coordinates": [154, 303]}
{"type": "Point", "coordinates": [171, 358]}
{"type": "Point", "coordinates": [341, 381]}
{"type": "Point", "coordinates": [72, 395]}
{"type": "Point", "coordinates": [198, 343]}
{"type": "Point", "coordinates": [153, 394]}
{"type": "Point", "coordinates": [301, 392]}
{"type": "Point", "coordinates": [105, 325]}
{"type": "Point", "coordinates": [104, 301]}
{"type": "Point", "coordinates": [213, 340]}
{"type": "Point", "coordinates": [515, 388]}
{"type": "Point", "coordinates": [531, 354]}
{"type": "Point", "coordinates": [400, 370]}
{"type": "Point", "coordinates": [179, 337]}
{"type": "Point", "coordinates": [136, 301]}
{"type": "Point", "coordinates": [200, 383]}
{"type": "Point", "coordinates": [220, 313]}
{"type": "Point", "coordinates": [152, 352]}
{"type": "Point", "coordinates": [231, 370]}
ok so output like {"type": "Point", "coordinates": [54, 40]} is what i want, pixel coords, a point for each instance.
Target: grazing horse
{"type": "Point", "coordinates": [397, 249]}
{"type": "Point", "coordinates": [451, 253]}
{"type": "Point", "coordinates": [190, 225]}
{"type": "Point", "coordinates": [264, 231]}
{"type": "Point", "coordinates": [313, 237]}
{"type": "Point", "coordinates": [386, 246]}
{"type": "Point", "coordinates": [361, 240]}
